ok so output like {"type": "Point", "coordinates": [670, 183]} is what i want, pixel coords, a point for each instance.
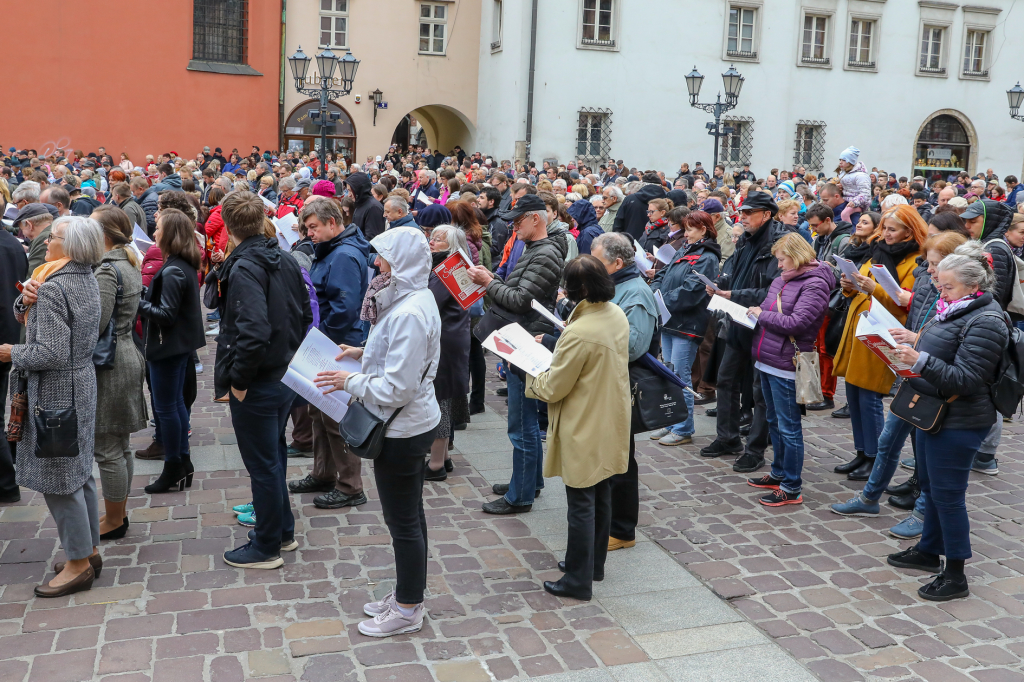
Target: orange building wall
{"type": "Point", "coordinates": [113, 74]}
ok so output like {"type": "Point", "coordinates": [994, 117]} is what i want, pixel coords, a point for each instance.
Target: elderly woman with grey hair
{"type": "Point", "coordinates": [957, 356]}
{"type": "Point", "coordinates": [451, 384]}
{"type": "Point", "coordinates": [60, 308]}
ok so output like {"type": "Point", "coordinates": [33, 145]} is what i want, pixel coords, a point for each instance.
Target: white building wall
{"type": "Point", "coordinates": [659, 41]}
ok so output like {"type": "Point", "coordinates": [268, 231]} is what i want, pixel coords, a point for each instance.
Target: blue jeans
{"type": "Point", "coordinates": [890, 444]}
{"type": "Point", "coordinates": [527, 450]}
{"type": "Point", "coordinates": [943, 467]}
{"type": "Point", "coordinates": [867, 418]}
{"type": "Point", "coordinates": [167, 380]}
{"type": "Point", "coordinates": [785, 431]}
{"type": "Point", "coordinates": [259, 422]}
{"type": "Point", "coordinates": [681, 351]}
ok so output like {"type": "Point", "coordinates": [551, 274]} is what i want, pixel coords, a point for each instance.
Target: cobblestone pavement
{"type": "Point", "coordinates": [807, 585]}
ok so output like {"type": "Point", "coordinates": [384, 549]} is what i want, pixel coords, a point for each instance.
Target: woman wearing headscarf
{"type": "Point", "coordinates": [868, 379]}
{"type": "Point", "coordinates": [398, 366]}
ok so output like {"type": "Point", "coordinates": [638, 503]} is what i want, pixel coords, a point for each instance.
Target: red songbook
{"type": "Point", "coordinates": [453, 272]}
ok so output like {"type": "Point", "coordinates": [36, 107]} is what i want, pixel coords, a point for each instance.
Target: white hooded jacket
{"type": "Point", "coordinates": [401, 355]}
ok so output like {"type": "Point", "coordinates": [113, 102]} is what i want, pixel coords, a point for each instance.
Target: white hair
{"type": "Point", "coordinates": [969, 264]}
{"type": "Point", "coordinates": [596, 198]}
{"type": "Point", "coordinates": [559, 183]}
{"type": "Point", "coordinates": [29, 190]}
{"type": "Point", "coordinates": [615, 245]}
{"type": "Point", "coordinates": [455, 237]}
{"type": "Point", "coordinates": [83, 238]}
{"type": "Point", "coordinates": [398, 202]}
{"type": "Point", "coordinates": [614, 191]}
{"type": "Point", "coordinates": [573, 196]}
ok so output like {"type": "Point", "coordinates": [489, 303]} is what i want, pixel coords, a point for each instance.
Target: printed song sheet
{"type": "Point", "coordinates": [737, 312]}
{"type": "Point", "coordinates": [316, 354]}
{"type": "Point", "coordinates": [518, 346]}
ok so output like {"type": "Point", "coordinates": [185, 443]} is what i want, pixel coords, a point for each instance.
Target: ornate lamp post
{"type": "Point", "coordinates": [333, 82]}
{"type": "Point", "coordinates": [733, 84]}
{"type": "Point", "coordinates": [378, 97]}
{"type": "Point", "coordinates": [1016, 97]}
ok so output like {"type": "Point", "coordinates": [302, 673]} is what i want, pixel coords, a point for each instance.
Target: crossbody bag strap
{"type": "Point", "coordinates": [395, 413]}
{"type": "Point", "coordinates": [796, 348]}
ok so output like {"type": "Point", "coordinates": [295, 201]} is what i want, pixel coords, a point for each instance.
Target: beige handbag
{"type": "Point", "coordinates": [808, 372]}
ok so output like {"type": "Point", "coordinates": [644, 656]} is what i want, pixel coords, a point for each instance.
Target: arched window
{"type": "Point", "coordinates": [302, 132]}
{"type": "Point", "coordinates": [943, 148]}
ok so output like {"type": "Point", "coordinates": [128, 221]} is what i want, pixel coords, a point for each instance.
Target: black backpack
{"type": "Point", "coordinates": [1008, 388]}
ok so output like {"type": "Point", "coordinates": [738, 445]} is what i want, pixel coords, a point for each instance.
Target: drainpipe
{"type": "Point", "coordinates": [533, 68]}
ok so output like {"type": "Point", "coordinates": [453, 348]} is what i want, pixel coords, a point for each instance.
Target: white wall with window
{"type": "Point", "coordinates": [872, 91]}
{"type": "Point", "coordinates": [496, 17]}
{"type": "Point", "coordinates": [334, 24]}
{"type": "Point", "coordinates": [433, 27]}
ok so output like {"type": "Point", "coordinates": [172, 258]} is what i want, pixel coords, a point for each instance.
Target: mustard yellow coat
{"type": "Point", "coordinates": [587, 391]}
{"type": "Point", "coordinates": [858, 365]}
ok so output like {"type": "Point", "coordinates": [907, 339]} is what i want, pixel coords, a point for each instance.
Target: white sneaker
{"type": "Point", "coordinates": [199, 368]}
{"type": "Point", "coordinates": [214, 330]}
{"type": "Point", "coordinates": [660, 433]}
{"type": "Point", "coordinates": [375, 608]}
{"type": "Point", "coordinates": [392, 622]}
{"type": "Point", "coordinates": [675, 439]}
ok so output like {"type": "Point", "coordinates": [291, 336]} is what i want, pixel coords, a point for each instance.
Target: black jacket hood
{"type": "Point", "coordinates": [651, 191]}
{"type": "Point", "coordinates": [998, 217]}
{"type": "Point", "coordinates": [360, 185]}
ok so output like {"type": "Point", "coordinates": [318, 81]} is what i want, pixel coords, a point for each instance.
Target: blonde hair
{"type": "Point", "coordinates": [787, 204]}
{"type": "Point", "coordinates": [581, 189]}
{"type": "Point", "coordinates": [796, 247]}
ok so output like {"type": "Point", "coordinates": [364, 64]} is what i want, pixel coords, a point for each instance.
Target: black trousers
{"type": "Point", "coordinates": [625, 495]}
{"type": "Point", "coordinates": [589, 518]}
{"type": "Point", "coordinates": [477, 372]}
{"type": "Point", "coordinates": [399, 472]}
{"type": "Point", "coordinates": [8, 486]}
{"type": "Point", "coordinates": [737, 368]}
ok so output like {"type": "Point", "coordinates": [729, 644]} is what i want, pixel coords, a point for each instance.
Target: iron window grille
{"type": "Point", "coordinates": [737, 145]}
{"type": "Point", "coordinates": [809, 145]}
{"type": "Point", "coordinates": [220, 31]}
{"type": "Point", "coordinates": [594, 134]}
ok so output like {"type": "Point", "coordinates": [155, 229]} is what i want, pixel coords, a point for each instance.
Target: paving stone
{"type": "Point", "coordinates": [400, 673]}
{"type": "Point", "coordinates": [73, 666]}
{"type": "Point", "coordinates": [179, 670]}
{"type": "Point", "coordinates": [125, 656]}
{"type": "Point", "coordinates": [213, 619]}
{"type": "Point", "coordinates": [59, 619]}
{"type": "Point", "coordinates": [77, 638]}
{"type": "Point", "coordinates": [226, 669]}
{"type": "Point", "coordinates": [386, 653]}
{"type": "Point", "coordinates": [268, 662]}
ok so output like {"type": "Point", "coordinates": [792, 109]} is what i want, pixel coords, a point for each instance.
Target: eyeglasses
{"type": "Point", "coordinates": [54, 236]}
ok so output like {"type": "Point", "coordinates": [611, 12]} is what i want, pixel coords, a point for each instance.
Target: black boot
{"type": "Point", "coordinates": [902, 488]}
{"type": "Point", "coordinates": [851, 465]}
{"type": "Point", "coordinates": [907, 500]}
{"type": "Point", "coordinates": [863, 472]}
{"type": "Point", "coordinates": [190, 470]}
{"type": "Point", "coordinates": [172, 478]}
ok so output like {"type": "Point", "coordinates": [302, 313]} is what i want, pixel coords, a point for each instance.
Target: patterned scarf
{"type": "Point", "coordinates": [943, 309]}
{"type": "Point", "coordinates": [369, 310]}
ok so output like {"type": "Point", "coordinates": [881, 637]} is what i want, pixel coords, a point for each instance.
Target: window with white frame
{"type": "Point", "coordinates": [862, 36]}
{"type": "Point", "coordinates": [974, 54]}
{"type": "Point", "coordinates": [809, 145]}
{"type": "Point", "coordinates": [597, 25]}
{"type": "Point", "coordinates": [813, 46]}
{"type": "Point", "coordinates": [496, 25]}
{"type": "Point", "coordinates": [740, 40]}
{"type": "Point", "coordinates": [932, 39]}
{"type": "Point", "coordinates": [334, 23]}
{"type": "Point", "coordinates": [594, 134]}
{"type": "Point", "coordinates": [433, 27]}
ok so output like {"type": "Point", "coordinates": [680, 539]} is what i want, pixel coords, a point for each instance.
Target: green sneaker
{"type": "Point", "coordinates": [243, 509]}
{"type": "Point", "coordinates": [248, 520]}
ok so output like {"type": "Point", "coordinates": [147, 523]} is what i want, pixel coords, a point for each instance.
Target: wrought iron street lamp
{"type": "Point", "coordinates": [1016, 97]}
{"type": "Point", "coordinates": [733, 82]}
{"type": "Point", "coordinates": [378, 97]}
{"type": "Point", "coordinates": [333, 82]}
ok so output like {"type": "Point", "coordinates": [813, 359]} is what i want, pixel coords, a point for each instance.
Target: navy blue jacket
{"type": "Point", "coordinates": [586, 220]}
{"type": "Point", "coordinates": [683, 292]}
{"type": "Point", "coordinates": [339, 275]}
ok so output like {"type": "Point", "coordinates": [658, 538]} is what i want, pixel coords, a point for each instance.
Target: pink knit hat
{"type": "Point", "coordinates": [324, 188]}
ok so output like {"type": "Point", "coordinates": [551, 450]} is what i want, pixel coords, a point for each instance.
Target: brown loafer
{"type": "Point", "coordinates": [154, 451]}
{"type": "Point", "coordinates": [81, 583]}
{"type": "Point", "coordinates": [96, 561]}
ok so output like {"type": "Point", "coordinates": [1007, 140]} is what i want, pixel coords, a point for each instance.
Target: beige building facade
{"type": "Point", "coordinates": [423, 55]}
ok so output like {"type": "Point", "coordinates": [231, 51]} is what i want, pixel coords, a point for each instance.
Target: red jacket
{"type": "Point", "coordinates": [152, 261]}
{"type": "Point", "coordinates": [216, 232]}
{"type": "Point", "coordinates": [292, 204]}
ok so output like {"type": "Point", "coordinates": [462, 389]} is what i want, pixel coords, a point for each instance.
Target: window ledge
{"type": "Point", "coordinates": [739, 54]}
{"type": "Point", "coordinates": [590, 44]}
{"type": "Point", "coordinates": [931, 72]}
{"type": "Point", "coordinates": [496, 46]}
{"type": "Point", "coordinates": [861, 66]}
{"type": "Point", "coordinates": [816, 62]}
{"type": "Point", "coordinates": [975, 75]}
{"type": "Point", "coordinates": [222, 67]}
{"type": "Point", "coordinates": [433, 54]}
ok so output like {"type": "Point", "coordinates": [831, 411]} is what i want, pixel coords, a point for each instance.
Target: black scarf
{"type": "Point", "coordinates": [858, 253]}
{"type": "Point", "coordinates": [892, 255]}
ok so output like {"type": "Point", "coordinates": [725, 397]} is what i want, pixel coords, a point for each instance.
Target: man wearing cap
{"type": "Point", "coordinates": [533, 277]}
{"type": "Point", "coordinates": [34, 221]}
{"type": "Point", "coordinates": [745, 283]}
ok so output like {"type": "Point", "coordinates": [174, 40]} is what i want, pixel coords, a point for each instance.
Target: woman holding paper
{"type": "Point", "coordinates": [587, 391]}
{"type": "Point", "coordinates": [399, 363]}
{"type": "Point", "coordinates": [868, 378]}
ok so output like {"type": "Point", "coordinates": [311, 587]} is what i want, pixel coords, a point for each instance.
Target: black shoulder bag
{"type": "Point", "coordinates": [106, 346]}
{"type": "Point", "coordinates": [57, 430]}
{"type": "Point", "coordinates": [364, 431]}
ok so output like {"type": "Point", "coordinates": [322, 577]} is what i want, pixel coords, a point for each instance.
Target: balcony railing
{"type": "Point", "coordinates": [860, 65]}
{"type": "Point", "coordinates": [823, 61]}
{"type": "Point", "coordinates": [594, 42]}
{"type": "Point", "coordinates": [976, 74]}
{"type": "Point", "coordinates": [741, 54]}
{"type": "Point", "coordinates": [941, 71]}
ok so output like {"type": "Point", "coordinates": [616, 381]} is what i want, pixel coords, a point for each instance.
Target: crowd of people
{"type": "Point", "coordinates": [109, 269]}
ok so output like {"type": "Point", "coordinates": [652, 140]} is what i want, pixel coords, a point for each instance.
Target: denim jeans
{"type": "Point", "coordinates": [167, 378]}
{"type": "Point", "coordinates": [785, 431]}
{"type": "Point", "coordinates": [259, 422]}
{"type": "Point", "coordinates": [681, 351]}
{"type": "Point", "coordinates": [890, 445]}
{"type": "Point", "coordinates": [866, 418]}
{"type": "Point", "coordinates": [943, 467]}
{"type": "Point", "coordinates": [527, 450]}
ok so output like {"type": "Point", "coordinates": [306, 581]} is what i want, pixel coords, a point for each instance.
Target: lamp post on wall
{"type": "Point", "coordinates": [1016, 97]}
{"type": "Point", "coordinates": [333, 72]}
{"type": "Point", "coordinates": [733, 84]}
{"type": "Point", "coordinates": [378, 98]}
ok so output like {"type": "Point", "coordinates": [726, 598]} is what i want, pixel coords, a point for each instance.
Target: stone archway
{"type": "Point", "coordinates": [444, 127]}
{"type": "Point", "coordinates": [972, 137]}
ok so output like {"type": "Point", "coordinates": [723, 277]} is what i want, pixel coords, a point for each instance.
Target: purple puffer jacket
{"type": "Point", "coordinates": [805, 297]}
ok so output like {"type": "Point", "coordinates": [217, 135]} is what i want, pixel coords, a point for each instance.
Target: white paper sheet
{"type": "Point", "coordinates": [874, 325]}
{"type": "Point", "coordinates": [518, 346]}
{"type": "Point", "coordinates": [706, 281]}
{"type": "Point", "coordinates": [286, 235]}
{"type": "Point", "coordinates": [267, 202]}
{"type": "Point", "coordinates": [737, 312]}
{"type": "Point", "coordinates": [641, 259]}
{"type": "Point", "coordinates": [665, 254]}
{"type": "Point", "coordinates": [885, 279]}
{"type": "Point", "coordinates": [847, 267]}
{"type": "Point", "coordinates": [316, 354]}
{"type": "Point", "coordinates": [662, 308]}
{"type": "Point", "coordinates": [424, 199]}
{"type": "Point", "coordinates": [547, 314]}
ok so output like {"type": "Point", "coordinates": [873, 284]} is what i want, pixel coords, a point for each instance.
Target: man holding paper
{"type": "Point", "coordinates": [265, 314]}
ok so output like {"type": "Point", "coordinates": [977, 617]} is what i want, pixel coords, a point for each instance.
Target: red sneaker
{"type": "Point", "coordinates": [765, 481]}
{"type": "Point", "coordinates": [780, 497]}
